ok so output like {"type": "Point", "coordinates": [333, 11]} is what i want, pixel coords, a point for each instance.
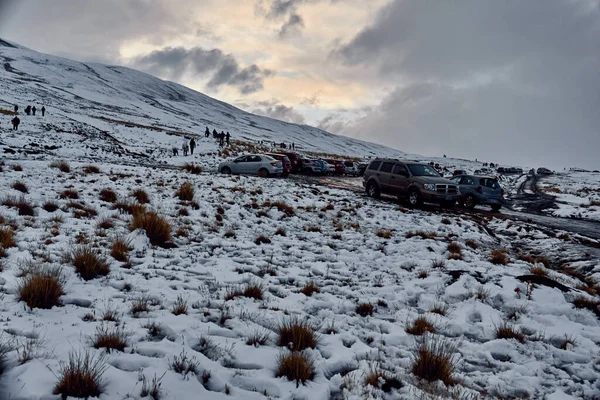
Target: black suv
{"type": "Point", "coordinates": [415, 181]}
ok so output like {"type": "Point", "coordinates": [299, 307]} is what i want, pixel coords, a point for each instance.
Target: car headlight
{"type": "Point", "coordinates": [429, 186]}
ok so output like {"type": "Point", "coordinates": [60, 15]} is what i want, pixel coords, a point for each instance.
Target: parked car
{"type": "Point", "coordinates": [253, 164]}
{"type": "Point", "coordinates": [544, 171]}
{"type": "Point", "coordinates": [285, 161]}
{"type": "Point", "coordinates": [479, 189]}
{"type": "Point", "coordinates": [313, 167]}
{"type": "Point", "coordinates": [415, 181]}
{"type": "Point", "coordinates": [329, 168]}
{"type": "Point", "coordinates": [361, 167]}
{"type": "Point", "coordinates": [351, 168]}
{"type": "Point", "coordinates": [339, 168]}
{"type": "Point", "coordinates": [295, 160]}
{"type": "Point", "coordinates": [459, 172]}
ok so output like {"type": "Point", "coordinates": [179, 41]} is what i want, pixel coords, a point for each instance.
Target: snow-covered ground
{"type": "Point", "coordinates": [355, 250]}
{"type": "Point", "coordinates": [577, 194]}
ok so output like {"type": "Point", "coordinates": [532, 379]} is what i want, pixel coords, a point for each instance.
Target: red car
{"type": "Point", "coordinates": [287, 165]}
{"type": "Point", "coordinates": [295, 160]}
{"type": "Point", "coordinates": [340, 168]}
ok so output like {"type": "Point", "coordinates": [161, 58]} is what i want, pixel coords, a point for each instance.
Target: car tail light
{"type": "Point", "coordinates": [274, 163]}
{"type": "Point", "coordinates": [480, 190]}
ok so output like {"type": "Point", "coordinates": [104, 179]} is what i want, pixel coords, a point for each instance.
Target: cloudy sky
{"type": "Point", "coordinates": [511, 81]}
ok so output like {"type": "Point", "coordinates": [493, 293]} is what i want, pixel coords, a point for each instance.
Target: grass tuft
{"type": "Point", "coordinates": [310, 288]}
{"type": "Point", "coordinates": [7, 238]}
{"type": "Point", "coordinates": [41, 288]}
{"type": "Point", "coordinates": [81, 376]}
{"type": "Point", "coordinates": [384, 233]}
{"type": "Point", "coordinates": [157, 228]}
{"type": "Point", "coordinates": [91, 169]}
{"type": "Point", "coordinates": [109, 338]}
{"type": "Point", "coordinates": [507, 331]}
{"type": "Point", "coordinates": [499, 257]}
{"type": "Point", "coordinates": [185, 192]}
{"type": "Point", "coordinates": [120, 249]}
{"type": "Point", "coordinates": [365, 309]}
{"type": "Point", "coordinates": [108, 195]}
{"type": "Point", "coordinates": [69, 194]}
{"type": "Point", "coordinates": [258, 338]}
{"type": "Point", "coordinates": [192, 168]}
{"type": "Point", "coordinates": [420, 326]}
{"type": "Point", "coordinates": [180, 306]}
{"type": "Point", "coordinates": [63, 166]}
{"type": "Point", "coordinates": [296, 366]}
{"type": "Point", "coordinates": [435, 360]}
{"type": "Point", "coordinates": [141, 196]}
{"type": "Point", "coordinates": [251, 290]}
{"type": "Point", "coordinates": [89, 263]}
{"type": "Point", "coordinates": [23, 206]}
{"type": "Point", "coordinates": [20, 186]}
{"type": "Point", "coordinates": [472, 244]}
{"type": "Point", "coordinates": [297, 334]}
{"type": "Point", "coordinates": [262, 240]}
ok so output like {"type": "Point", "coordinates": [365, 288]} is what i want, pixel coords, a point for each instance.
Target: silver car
{"type": "Point", "coordinates": [253, 164]}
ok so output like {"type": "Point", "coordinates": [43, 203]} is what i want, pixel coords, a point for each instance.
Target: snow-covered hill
{"type": "Point", "coordinates": [102, 111]}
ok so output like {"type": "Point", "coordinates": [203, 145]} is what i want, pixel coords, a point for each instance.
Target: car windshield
{"type": "Point", "coordinates": [422, 170]}
{"type": "Point", "coordinates": [268, 158]}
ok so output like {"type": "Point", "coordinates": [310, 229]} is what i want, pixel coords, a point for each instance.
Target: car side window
{"type": "Point", "coordinates": [467, 181]}
{"type": "Point", "coordinates": [374, 165]}
{"type": "Point", "coordinates": [254, 159]}
{"type": "Point", "coordinates": [400, 170]}
{"type": "Point", "coordinates": [387, 167]}
{"type": "Point", "coordinates": [457, 180]}
{"type": "Point", "coordinates": [241, 159]}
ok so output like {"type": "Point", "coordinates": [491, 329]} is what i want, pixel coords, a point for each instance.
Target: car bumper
{"type": "Point", "coordinates": [436, 197]}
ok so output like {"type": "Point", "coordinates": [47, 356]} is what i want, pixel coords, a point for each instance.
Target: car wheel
{"type": "Point", "coordinates": [414, 198]}
{"type": "Point", "coordinates": [226, 170]}
{"type": "Point", "coordinates": [373, 190]}
{"type": "Point", "coordinates": [470, 201]}
{"type": "Point", "coordinates": [263, 172]}
{"type": "Point", "coordinates": [496, 208]}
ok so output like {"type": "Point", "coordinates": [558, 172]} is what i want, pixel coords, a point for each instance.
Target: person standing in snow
{"type": "Point", "coordinates": [222, 139]}
{"type": "Point", "coordinates": [192, 146]}
{"type": "Point", "coordinates": [16, 121]}
{"type": "Point", "coordinates": [16, 108]}
{"type": "Point", "coordinates": [28, 110]}
{"type": "Point", "coordinates": [207, 132]}
{"type": "Point", "coordinates": [33, 110]}
{"type": "Point", "coordinates": [175, 151]}
{"type": "Point", "coordinates": [293, 146]}
{"type": "Point", "coordinates": [227, 137]}
{"type": "Point", "coordinates": [215, 134]}
{"type": "Point", "coordinates": [43, 111]}
{"type": "Point", "coordinates": [185, 148]}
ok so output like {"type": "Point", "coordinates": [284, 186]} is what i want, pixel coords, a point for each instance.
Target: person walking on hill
{"type": "Point", "coordinates": [192, 146]}
{"type": "Point", "coordinates": [43, 111]}
{"type": "Point", "coordinates": [28, 110]}
{"type": "Point", "coordinates": [227, 137]}
{"type": "Point", "coordinates": [293, 146]}
{"type": "Point", "coordinates": [16, 121]}
{"type": "Point", "coordinates": [215, 134]}
{"type": "Point", "coordinates": [33, 110]}
{"type": "Point", "coordinates": [222, 139]}
{"type": "Point", "coordinates": [185, 147]}
{"type": "Point", "coordinates": [207, 132]}
{"type": "Point", "coordinates": [16, 108]}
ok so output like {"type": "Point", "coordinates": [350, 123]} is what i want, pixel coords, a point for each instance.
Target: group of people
{"type": "Point", "coordinates": [186, 147]}
{"type": "Point", "coordinates": [16, 121]}
{"type": "Point", "coordinates": [223, 138]}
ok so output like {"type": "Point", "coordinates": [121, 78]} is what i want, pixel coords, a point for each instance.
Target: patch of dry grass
{"type": "Point", "coordinates": [507, 331]}
{"type": "Point", "coordinates": [89, 263]}
{"type": "Point", "coordinates": [250, 290]}
{"type": "Point", "coordinates": [365, 309]}
{"type": "Point", "coordinates": [384, 233]}
{"type": "Point", "coordinates": [110, 338]}
{"type": "Point", "coordinates": [7, 237]}
{"type": "Point", "coordinates": [472, 244]}
{"type": "Point", "coordinates": [120, 249]}
{"type": "Point", "coordinates": [41, 288]}
{"type": "Point", "coordinates": [296, 366]}
{"type": "Point", "coordinates": [69, 194]}
{"type": "Point", "coordinates": [81, 376]}
{"type": "Point", "coordinates": [310, 288]}
{"type": "Point", "coordinates": [499, 257]}
{"type": "Point", "coordinates": [262, 240]}
{"type": "Point", "coordinates": [297, 334]}
{"type": "Point", "coordinates": [420, 326]}
{"type": "Point", "coordinates": [185, 192]}
{"type": "Point", "coordinates": [141, 196]}
{"type": "Point", "coordinates": [91, 169]}
{"type": "Point", "coordinates": [63, 166]}
{"type": "Point", "coordinates": [192, 168]}
{"type": "Point", "coordinates": [434, 360]}
{"type": "Point", "coordinates": [21, 204]}
{"type": "Point", "coordinates": [20, 186]}
{"type": "Point", "coordinates": [157, 228]}
{"type": "Point", "coordinates": [108, 195]}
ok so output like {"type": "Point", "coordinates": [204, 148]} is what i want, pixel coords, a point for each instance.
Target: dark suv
{"type": "Point", "coordinates": [416, 181]}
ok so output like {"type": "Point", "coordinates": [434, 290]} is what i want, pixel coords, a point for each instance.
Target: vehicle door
{"type": "Point", "coordinates": [384, 174]}
{"type": "Point", "coordinates": [238, 165]}
{"type": "Point", "coordinates": [490, 189]}
{"type": "Point", "coordinates": [253, 164]}
{"type": "Point", "coordinates": [466, 185]}
{"type": "Point", "coordinates": [398, 183]}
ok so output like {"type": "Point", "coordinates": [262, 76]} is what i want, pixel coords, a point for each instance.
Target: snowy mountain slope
{"type": "Point", "coordinates": [90, 104]}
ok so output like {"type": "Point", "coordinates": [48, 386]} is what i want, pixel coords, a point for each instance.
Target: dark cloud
{"type": "Point", "coordinates": [274, 110]}
{"type": "Point", "coordinates": [294, 24]}
{"type": "Point", "coordinates": [223, 69]}
{"type": "Point", "coordinates": [483, 78]}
